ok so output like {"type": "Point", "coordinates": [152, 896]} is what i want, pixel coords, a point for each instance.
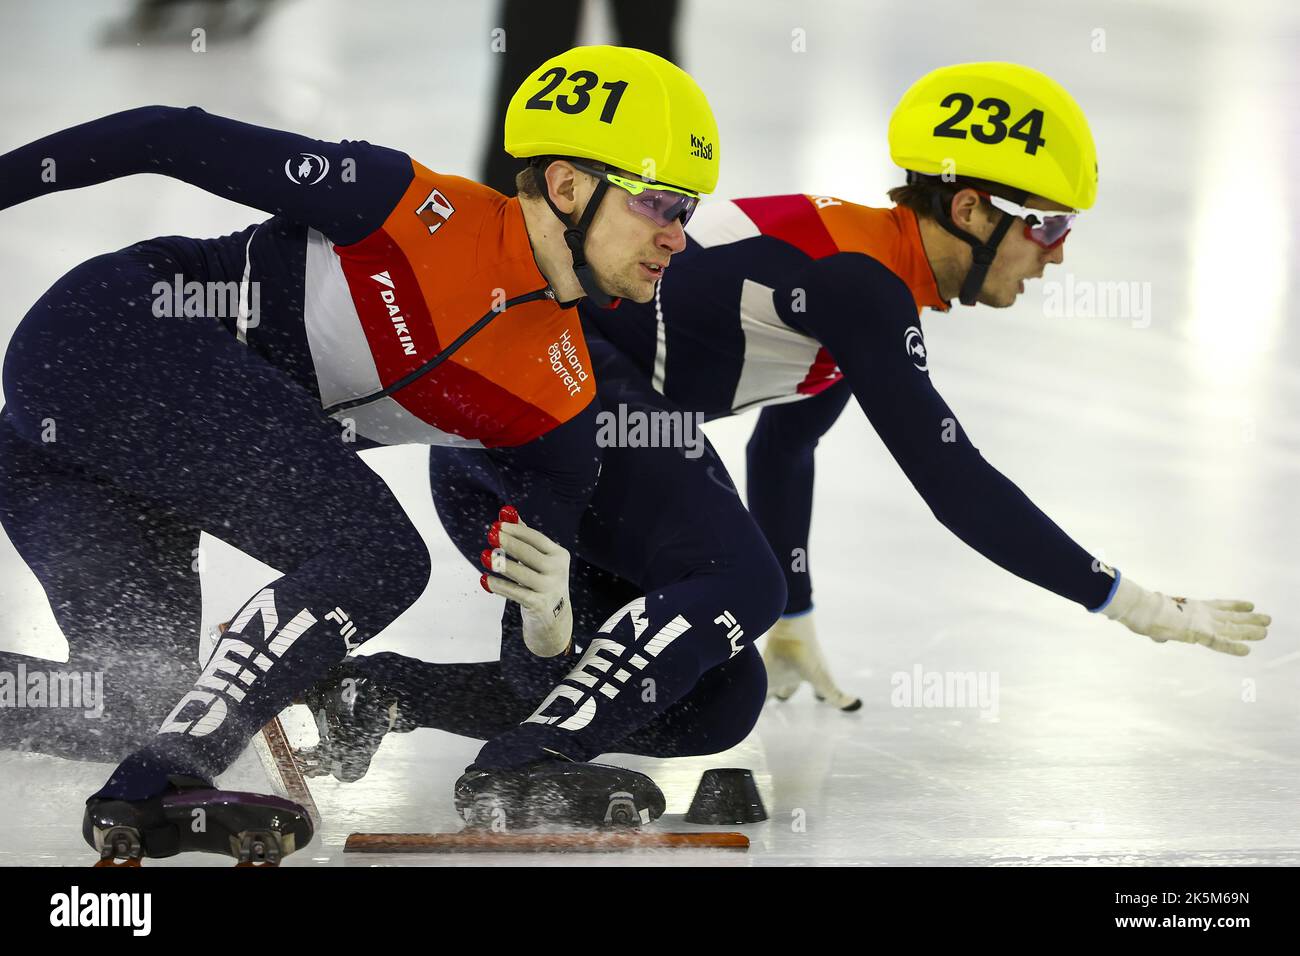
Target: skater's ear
{"type": "Point", "coordinates": [966, 208]}
{"type": "Point", "coordinates": [568, 186]}
{"type": "Point", "coordinates": [561, 181]}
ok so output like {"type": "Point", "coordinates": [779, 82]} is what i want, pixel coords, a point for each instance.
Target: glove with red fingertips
{"type": "Point", "coordinates": [508, 515]}
{"type": "Point", "coordinates": [533, 571]}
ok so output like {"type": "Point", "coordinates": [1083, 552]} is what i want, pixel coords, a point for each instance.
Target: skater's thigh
{"type": "Point", "coordinates": [597, 594]}
{"type": "Point", "coordinates": [177, 411]}
{"type": "Point", "coordinates": [659, 514]}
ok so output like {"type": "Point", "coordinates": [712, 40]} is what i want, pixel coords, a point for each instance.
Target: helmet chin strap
{"type": "Point", "coordinates": [982, 252]}
{"type": "Point", "coordinates": [575, 236]}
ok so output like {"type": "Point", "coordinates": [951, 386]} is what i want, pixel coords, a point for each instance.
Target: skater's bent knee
{"type": "Point", "coordinates": [758, 587]}
{"type": "Point", "coordinates": [400, 549]}
{"type": "Point", "coordinates": [393, 561]}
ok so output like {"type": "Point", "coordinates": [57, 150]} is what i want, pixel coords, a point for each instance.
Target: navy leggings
{"type": "Point", "coordinates": [666, 541]}
{"type": "Point", "coordinates": [780, 465]}
{"type": "Point", "coordinates": [124, 436]}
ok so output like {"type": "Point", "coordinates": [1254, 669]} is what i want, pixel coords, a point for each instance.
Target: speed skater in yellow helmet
{"type": "Point", "coordinates": [1007, 131]}
{"type": "Point", "coordinates": [631, 119]}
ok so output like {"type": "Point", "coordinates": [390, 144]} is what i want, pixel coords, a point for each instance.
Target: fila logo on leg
{"type": "Point", "coordinates": [346, 628]}
{"type": "Point", "coordinates": [736, 632]}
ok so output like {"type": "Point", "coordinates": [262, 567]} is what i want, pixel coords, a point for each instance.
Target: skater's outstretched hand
{"type": "Point", "coordinates": [793, 656]}
{"type": "Point", "coordinates": [534, 573]}
{"type": "Point", "coordinates": [1220, 625]}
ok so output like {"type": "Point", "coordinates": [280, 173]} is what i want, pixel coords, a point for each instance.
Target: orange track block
{"type": "Point", "coordinates": [481, 841]}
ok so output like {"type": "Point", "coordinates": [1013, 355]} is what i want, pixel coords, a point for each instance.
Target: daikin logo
{"type": "Point", "coordinates": [76, 909]}
{"type": "Point", "coordinates": [389, 296]}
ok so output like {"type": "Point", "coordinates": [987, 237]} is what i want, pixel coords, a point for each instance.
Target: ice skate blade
{"type": "Point", "coordinates": [260, 848]}
{"type": "Point", "coordinates": [118, 846]}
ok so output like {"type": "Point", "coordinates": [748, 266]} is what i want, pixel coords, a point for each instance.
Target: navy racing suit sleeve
{"type": "Point", "coordinates": [866, 318]}
{"type": "Point", "coordinates": [345, 190]}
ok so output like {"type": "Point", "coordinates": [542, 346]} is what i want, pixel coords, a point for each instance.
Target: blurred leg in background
{"type": "Point", "coordinates": [535, 32]}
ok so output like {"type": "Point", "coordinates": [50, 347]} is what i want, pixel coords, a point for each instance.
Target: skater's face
{"type": "Point", "coordinates": [629, 251]}
{"type": "Point", "coordinates": [1019, 258]}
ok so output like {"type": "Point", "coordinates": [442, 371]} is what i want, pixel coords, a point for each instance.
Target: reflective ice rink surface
{"type": "Point", "coordinates": [1164, 437]}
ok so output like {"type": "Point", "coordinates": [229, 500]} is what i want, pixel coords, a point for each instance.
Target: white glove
{"type": "Point", "coordinates": [1219, 625]}
{"type": "Point", "coordinates": [535, 575]}
{"type": "Point", "coordinates": [793, 656]}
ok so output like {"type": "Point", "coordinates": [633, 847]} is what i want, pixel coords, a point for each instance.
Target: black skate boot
{"type": "Point", "coordinates": [557, 792]}
{"type": "Point", "coordinates": [353, 713]}
{"type": "Point", "coordinates": [193, 816]}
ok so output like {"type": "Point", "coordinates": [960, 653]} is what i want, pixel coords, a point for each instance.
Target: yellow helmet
{"type": "Point", "coordinates": [998, 122]}
{"type": "Point", "coordinates": [627, 108]}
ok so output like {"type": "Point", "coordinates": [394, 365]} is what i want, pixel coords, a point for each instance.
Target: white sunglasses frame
{"type": "Point", "coordinates": [1025, 212]}
{"type": "Point", "coordinates": [1038, 216]}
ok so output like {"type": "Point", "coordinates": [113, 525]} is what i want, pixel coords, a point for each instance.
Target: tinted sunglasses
{"type": "Point", "coordinates": [1046, 227]}
{"type": "Point", "coordinates": [659, 203]}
